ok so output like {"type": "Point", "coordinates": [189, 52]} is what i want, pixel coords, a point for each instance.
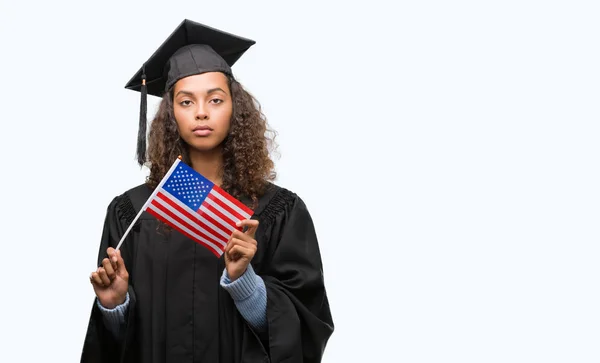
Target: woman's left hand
{"type": "Point", "coordinates": [240, 249]}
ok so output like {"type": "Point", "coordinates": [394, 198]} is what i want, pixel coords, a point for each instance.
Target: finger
{"type": "Point", "coordinates": [243, 236]}
{"type": "Point", "coordinates": [238, 252]}
{"type": "Point", "coordinates": [246, 249]}
{"type": "Point", "coordinates": [237, 234]}
{"type": "Point", "coordinates": [241, 242]}
{"type": "Point", "coordinates": [251, 224]}
{"type": "Point", "coordinates": [96, 279]}
{"type": "Point", "coordinates": [110, 272]}
{"type": "Point", "coordinates": [112, 255]}
{"type": "Point", "coordinates": [228, 245]}
{"type": "Point", "coordinates": [103, 276]}
{"type": "Point", "coordinates": [243, 223]}
{"type": "Point", "coordinates": [120, 263]}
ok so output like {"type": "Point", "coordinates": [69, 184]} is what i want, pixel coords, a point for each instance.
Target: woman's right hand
{"type": "Point", "coordinates": [111, 280]}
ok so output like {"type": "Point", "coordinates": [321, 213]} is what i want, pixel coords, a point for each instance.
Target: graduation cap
{"type": "Point", "coordinates": [192, 48]}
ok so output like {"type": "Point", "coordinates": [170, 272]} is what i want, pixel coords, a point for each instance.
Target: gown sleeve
{"type": "Point", "coordinates": [101, 344]}
{"type": "Point", "coordinates": [298, 313]}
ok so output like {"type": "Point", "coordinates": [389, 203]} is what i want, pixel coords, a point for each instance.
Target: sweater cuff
{"type": "Point", "coordinates": [117, 314]}
{"type": "Point", "coordinates": [243, 287]}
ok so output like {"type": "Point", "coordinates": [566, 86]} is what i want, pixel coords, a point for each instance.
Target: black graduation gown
{"type": "Point", "coordinates": [178, 312]}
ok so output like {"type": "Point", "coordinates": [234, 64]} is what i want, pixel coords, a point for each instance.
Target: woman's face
{"type": "Point", "coordinates": [202, 105]}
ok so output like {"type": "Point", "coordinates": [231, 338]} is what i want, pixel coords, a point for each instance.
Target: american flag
{"type": "Point", "coordinates": [199, 209]}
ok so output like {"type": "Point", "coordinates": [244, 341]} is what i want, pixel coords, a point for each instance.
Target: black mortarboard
{"type": "Point", "coordinates": [192, 48]}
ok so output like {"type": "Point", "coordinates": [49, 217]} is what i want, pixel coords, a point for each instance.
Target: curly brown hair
{"type": "Point", "coordinates": [247, 166]}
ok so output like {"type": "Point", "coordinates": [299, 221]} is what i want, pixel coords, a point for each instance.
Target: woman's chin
{"type": "Point", "coordinates": [203, 145]}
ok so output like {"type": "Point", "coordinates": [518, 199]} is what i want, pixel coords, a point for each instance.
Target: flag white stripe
{"type": "Point", "coordinates": [210, 225]}
{"type": "Point", "coordinates": [176, 223]}
{"type": "Point", "coordinates": [189, 221]}
{"type": "Point", "coordinates": [229, 204]}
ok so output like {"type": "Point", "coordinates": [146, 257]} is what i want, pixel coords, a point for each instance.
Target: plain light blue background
{"type": "Point", "coordinates": [448, 152]}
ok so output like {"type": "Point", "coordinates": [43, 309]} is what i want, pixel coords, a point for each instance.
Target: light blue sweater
{"type": "Point", "coordinates": [248, 293]}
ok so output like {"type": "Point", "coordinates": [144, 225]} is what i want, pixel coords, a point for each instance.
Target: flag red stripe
{"type": "Point", "coordinates": [196, 229]}
{"type": "Point", "coordinates": [210, 248]}
{"type": "Point", "coordinates": [225, 195]}
{"type": "Point", "coordinates": [223, 205]}
{"type": "Point", "coordinates": [195, 218]}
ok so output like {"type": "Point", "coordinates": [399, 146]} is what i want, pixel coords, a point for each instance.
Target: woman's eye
{"type": "Point", "coordinates": [216, 101]}
{"type": "Point", "coordinates": [185, 103]}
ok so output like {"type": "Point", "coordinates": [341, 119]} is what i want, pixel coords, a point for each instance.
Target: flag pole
{"type": "Point", "coordinates": [156, 190]}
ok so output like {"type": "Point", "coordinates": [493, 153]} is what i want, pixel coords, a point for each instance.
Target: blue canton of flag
{"type": "Point", "coordinates": [187, 185]}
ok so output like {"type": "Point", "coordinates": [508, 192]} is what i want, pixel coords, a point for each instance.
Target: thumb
{"type": "Point", "coordinates": [251, 226]}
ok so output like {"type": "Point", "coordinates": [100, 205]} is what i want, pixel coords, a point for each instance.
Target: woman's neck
{"type": "Point", "coordinates": [208, 163]}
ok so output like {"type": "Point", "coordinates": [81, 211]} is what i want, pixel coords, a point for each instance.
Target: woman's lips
{"type": "Point", "coordinates": [202, 131]}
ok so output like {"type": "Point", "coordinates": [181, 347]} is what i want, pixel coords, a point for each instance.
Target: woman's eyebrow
{"type": "Point", "coordinates": [216, 89]}
{"type": "Point", "coordinates": [187, 93]}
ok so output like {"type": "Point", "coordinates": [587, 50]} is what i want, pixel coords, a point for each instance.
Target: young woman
{"type": "Point", "coordinates": [165, 298]}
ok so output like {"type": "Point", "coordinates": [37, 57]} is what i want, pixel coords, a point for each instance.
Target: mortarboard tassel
{"type": "Point", "coordinates": [141, 143]}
